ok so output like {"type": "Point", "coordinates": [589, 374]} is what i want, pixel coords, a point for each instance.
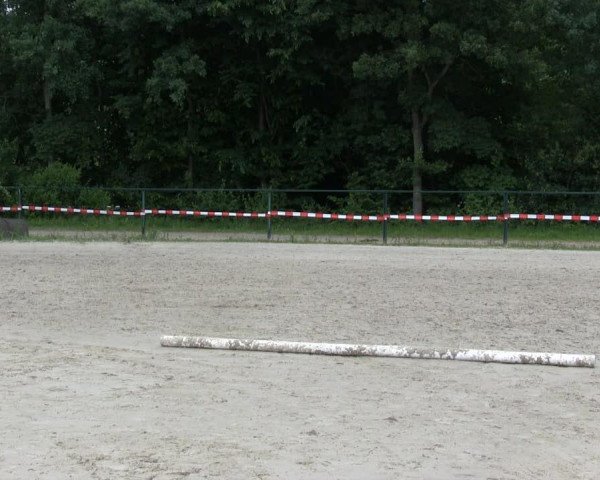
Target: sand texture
{"type": "Point", "coordinates": [86, 391]}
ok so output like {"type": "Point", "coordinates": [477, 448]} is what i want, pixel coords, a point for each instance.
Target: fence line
{"type": "Point", "coordinates": [383, 218]}
{"type": "Point", "coordinates": [262, 203]}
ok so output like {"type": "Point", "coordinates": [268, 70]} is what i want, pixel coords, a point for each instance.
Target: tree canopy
{"type": "Point", "coordinates": [421, 94]}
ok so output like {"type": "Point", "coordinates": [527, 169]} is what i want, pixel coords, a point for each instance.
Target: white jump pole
{"type": "Point", "coordinates": [496, 356]}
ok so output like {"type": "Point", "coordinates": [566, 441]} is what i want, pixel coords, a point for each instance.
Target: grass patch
{"type": "Point", "coordinates": [555, 231]}
{"type": "Point", "coordinates": [159, 227]}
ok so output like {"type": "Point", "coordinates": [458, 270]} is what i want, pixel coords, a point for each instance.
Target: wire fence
{"type": "Point", "coordinates": [267, 210]}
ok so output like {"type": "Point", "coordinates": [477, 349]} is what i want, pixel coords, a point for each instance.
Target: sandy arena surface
{"type": "Point", "coordinates": [86, 392]}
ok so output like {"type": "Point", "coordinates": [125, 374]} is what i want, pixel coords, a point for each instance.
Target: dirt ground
{"type": "Point", "coordinates": [86, 392]}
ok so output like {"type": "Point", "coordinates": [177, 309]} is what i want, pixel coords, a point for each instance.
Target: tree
{"type": "Point", "coordinates": [53, 76]}
{"type": "Point", "coordinates": [415, 94]}
{"type": "Point", "coordinates": [417, 45]}
{"type": "Point", "coordinates": [555, 136]}
{"type": "Point", "coordinates": [276, 64]}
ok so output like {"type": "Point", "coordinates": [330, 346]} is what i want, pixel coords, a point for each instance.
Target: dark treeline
{"type": "Point", "coordinates": [432, 94]}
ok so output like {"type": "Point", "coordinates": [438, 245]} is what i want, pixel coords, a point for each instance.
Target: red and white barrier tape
{"type": "Point", "coordinates": [134, 213]}
{"type": "Point", "coordinates": [13, 209]}
{"type": "Point", "coordinates": [71, 210]}
{"type": "Point", "coordinates": [298, 214]}
{"type": "Point", "coordinates": [328, 216]}
{"type": "Point", "coordinates": [555, 217]}
{"type": "Point", "coordinates": [382, 217]}
{"type": "Point", "coordinates": [449, 218]}
{"type": "Point", "coordinates": [205, 213]}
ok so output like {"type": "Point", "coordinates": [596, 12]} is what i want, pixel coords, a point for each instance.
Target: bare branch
{"type": "Point", "coordinates": [427, 77]}
{"type": "Point", "coordinates": [432, 84]}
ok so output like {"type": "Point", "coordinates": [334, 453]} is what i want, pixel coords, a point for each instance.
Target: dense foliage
{"type": "Point", "coordinates": [475, 94]}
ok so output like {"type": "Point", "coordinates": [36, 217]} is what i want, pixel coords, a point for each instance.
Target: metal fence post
{"type": "Point", "coordinates": [506, 218]}
{"type": "Point", "coordinates": [384, 231]}
{"type": "Point", "coordinates": [143, 213]}
{"type": "Point", "coordinates": [19, 201]}
{"type": "Point", "coordinates": [269, 206]}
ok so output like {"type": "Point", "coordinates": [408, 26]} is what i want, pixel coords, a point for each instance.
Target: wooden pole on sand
{"type": "Point", "coordinates": [495, 356]}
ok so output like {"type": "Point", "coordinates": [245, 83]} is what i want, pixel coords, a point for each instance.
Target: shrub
{"type": "Point", "coordinates": [94, 198]}
{"type": "Point", "coordinates": [56, 184]}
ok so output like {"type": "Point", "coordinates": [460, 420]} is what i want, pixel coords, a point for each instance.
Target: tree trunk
{"type": "Point", "coordinates": [47, 98]}
{"type": "Point", "coordinates": [190, 171]}
{"type": "Point", "coordinates": [263, 118]}
{"type": "Point", "coordinates": [189, 174]}
{"type": "Point", "coordinates": [47, 92]}
{"type": "Point", "coordinates": [418, 159]}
